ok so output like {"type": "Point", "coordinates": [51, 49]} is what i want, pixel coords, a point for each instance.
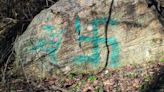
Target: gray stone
{"type": "Point", "coordinates": [70, 37]}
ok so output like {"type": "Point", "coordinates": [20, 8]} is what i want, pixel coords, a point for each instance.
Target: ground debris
{"type": "Point", "coordinates": [126, 79]}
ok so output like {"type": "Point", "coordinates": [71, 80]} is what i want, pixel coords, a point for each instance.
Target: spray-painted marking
{"type": "Point", "coordinates": [49, 46]}
{"type": "Point", "coordinates": [95, 40]}
{"type": "Point", "coordinates": [48, 28]}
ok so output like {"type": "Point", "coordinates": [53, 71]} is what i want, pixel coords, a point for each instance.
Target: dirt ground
{"type": "Point", "coordinates": [145, 78]}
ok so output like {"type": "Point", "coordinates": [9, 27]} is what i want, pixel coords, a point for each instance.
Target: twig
{"type": "Point", "coordinates": [30, 13]}
{"type": "Point", "coordinates": [47, 3]}
{"type": "Point", "coordinates": [4, 71]}
{"type": "Point", "coordinates": [55, 88]}
{"type": "Point", "coordinates": [25, 15]}
{"type": "Point", "coordinates": [51, 1]}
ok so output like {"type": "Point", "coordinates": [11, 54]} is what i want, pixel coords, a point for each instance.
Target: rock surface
{"type": "Point", "coordinates": [70, 37]}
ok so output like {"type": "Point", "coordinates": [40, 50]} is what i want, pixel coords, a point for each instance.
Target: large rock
{"type": "Point", "coordinates": [70, 37]}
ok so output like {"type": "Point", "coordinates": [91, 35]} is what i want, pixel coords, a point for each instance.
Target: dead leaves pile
{"type": "Point", "coordinates": [126, 79]}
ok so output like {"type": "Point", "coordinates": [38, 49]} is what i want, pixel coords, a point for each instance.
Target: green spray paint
{"type": "Point", "coordinates": [48, 47]}
{"type": "Point", "coordinates": [48, 28]}
{"type": "Point", "coordinates": [95, 40]}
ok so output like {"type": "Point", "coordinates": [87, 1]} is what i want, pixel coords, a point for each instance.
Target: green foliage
{"type": "Point", "coordinates": [161, 60]}
{"type": "Point", "coordinates": [131, 75]}
{"type": "Point", "coordinates": [142, 88]}
{"type": "Point", "coordinates": [91, 78]}
{"type": "Point", "coordinates": [145, 83]}
{"type": "Point", "coordinates": [72, 75]}
{"type": "Point", "coordinates": [147, 78]}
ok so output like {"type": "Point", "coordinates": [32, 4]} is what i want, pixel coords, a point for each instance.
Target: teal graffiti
{"type": "Point", "coordinates": [77, 25]}
{"type": "Point", "coordinates": [95, 40]}
{"type": "Point", "coordinates": [49, 46]}
{"type": "Point", "coordinates": [47, 27]}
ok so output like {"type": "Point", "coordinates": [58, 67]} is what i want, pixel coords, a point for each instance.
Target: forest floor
{"type": "Point", "coordinates": [145, 78]}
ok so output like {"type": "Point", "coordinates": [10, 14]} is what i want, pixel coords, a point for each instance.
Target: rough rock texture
{"type": "Point", "coordinates": [70, 37]}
